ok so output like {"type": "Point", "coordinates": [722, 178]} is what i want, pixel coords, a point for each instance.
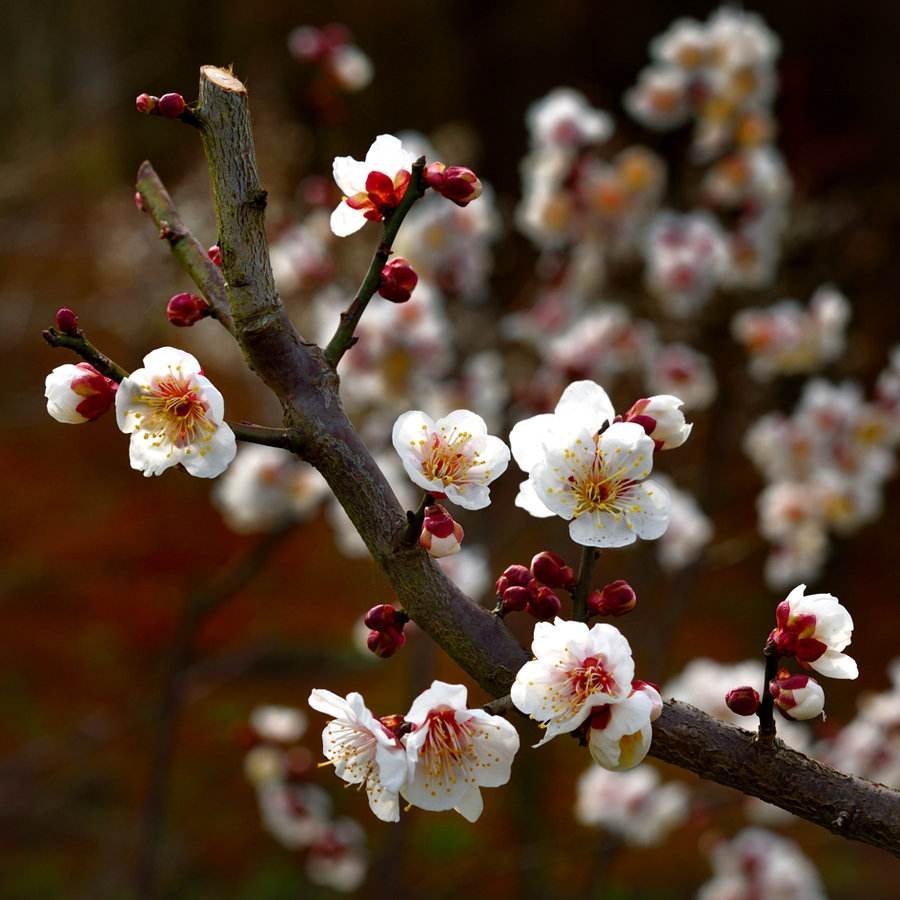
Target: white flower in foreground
{"type": "Point", "coordinates": [362, 750]}
{"type": "Point", "coordinates": [454, 751]}
{"type": "Point", "coordinates": [175, 416]}
{"type": "Point", "coordinates": [373, 188]}
{"type": "Point", "coordinates": [279, 724]}
{"type": "Point", "coordinates": [620, 733]}
{"type": "Point", "coordinates": [454, 456]}
{"type": "Point", "coordinates": [78, 393]}
{"type": "Point", "coordinates": [815, 629]}
{"type": "Point", "coordinates": [575, 669]}
{"type": "Point", "coordinates": [595, 478]}
{"type": "Point", "coordinates": [632, 805]}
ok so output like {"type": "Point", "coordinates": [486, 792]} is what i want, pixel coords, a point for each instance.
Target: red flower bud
{"type": "Point", "coordinates": [517, 575]}
{"type": "Point", "coordinates": [514, 599]}
{"type": "Point", "coordinates": [544, 604]}
{"type": "Point", "coordinates": [743, 701]}
{"type": "Point", "coordinates": [616, 599]}
{"type": "Point", "coordinates": [386, 642]}
{"type": "Point", "coordinates": [459, 184]}
{"type": "Point", "coordinates": [398, 280]}
{"type": "Point", "coordinates": [146, 103]}
{"type": "Point", "coordinates": [433, 176]}
{"type": "Point", "coordinates": [552, 570]}
{"type": "Point", "coordinates": [186, 309]}
{"type": "Point", "coordinates": [66, 321]}
{"type": "Point", "coordinates": [441, 535]}
{"type": "Point", "coordinates": [215, 254]}
{"type": "Point", "coordinates": [380, 617]}
{"type": "Point", "coordinates": [171, 106]}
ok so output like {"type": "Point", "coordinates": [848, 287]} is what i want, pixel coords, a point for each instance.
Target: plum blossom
{"type": "Point", "coordinates": [631, 805]}
{"type": "Point", "coordinates": [679, 369]}
{"type": "Point", "coordinates": [590, 474]}
{"type": "Point", "coordinates": [372, 189]}
{"type": "Point", "coordinates": [798, 696]}
{"type": "Point", "coordinates": [278, 724]}
{"type": "Point", "coordinates": [815, 629]}
{"type": "Point", "coordinates": [294, 814]}
{"type": "Point", "coordinates": [175, 416]}
{"type": "Point", "coordinates": [574, 670]}
{"type": "Point", "coordinates": [454, 751]}
{"type": "Point", "coordinates": [78, 393]}
{"type": "Point", "coordinates": [662, 419]}
{"type": "Point", "coordinates": [454, 456]}
{"type": "Point", "coordinates": [362, 750]}
{"type": "Point", "coordinates": [620, 733]}
{"type": "Point", "coordinates": [565, 119]}
{"type": "Point", "coordinates": [338, 858]}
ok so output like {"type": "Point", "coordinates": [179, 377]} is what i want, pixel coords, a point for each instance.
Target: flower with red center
{"type": "Point", "coordinates": [78, 393]}
{"type": "Point", "coordinates": [175, 416]}
{"type": "Point", "coordinates": [454, 751]}
{"type": "Point", "coordinates": [362, 750]}
{"type": "Point", "coordinates": [454, 456]}
{"type": "Point", "coordinates": [797, 696]}
{"type": "Point", "coordinates": [620, 733]}
{"type": "Point", "coordinates": [372, 189]}
{"type": "Point", "coordinates": [441, 535]}
{"type": "Point", "coordinates": [574, 670]}
{"type": "Point", "coordinates": [815, 629]}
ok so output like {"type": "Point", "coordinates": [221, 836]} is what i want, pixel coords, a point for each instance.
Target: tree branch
{"type": "Point", "coordinates": [343, 338]}
{"type": "Point", "coordinates": [184, 246]}
{"type": "Point", "coordinates": [307, 386]}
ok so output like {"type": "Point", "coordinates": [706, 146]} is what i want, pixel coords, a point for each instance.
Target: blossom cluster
{"type": "Point", "coordinates": [437, 757]}
{"type": "Point", "coordinates": [825, 466]}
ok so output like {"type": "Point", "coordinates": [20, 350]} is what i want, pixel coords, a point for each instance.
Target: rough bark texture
{"type": "Point", "coordinates": [320, 431]}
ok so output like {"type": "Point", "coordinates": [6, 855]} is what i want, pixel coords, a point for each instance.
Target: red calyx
{"type": "Point", "coordinates": [382, 616]}
{"type": "Point", "coordinates": [386, 642]}
{"type": "Point", "coordinates": [616, 599]}
{"type": "Point", "coordinates": [743, 701]}
{"type": "Point", "coordinates": [67, 321]}
{"type": "Point", "coordinates": [184, 310]}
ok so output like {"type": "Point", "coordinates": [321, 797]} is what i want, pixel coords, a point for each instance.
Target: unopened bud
{"type": "Point", "coordinates": [797, 696]}
{"type": "Point", "coordinates": [433, 176]}
{"type": "Point", "coordinates": [187, 309]}
{"type": "Point", "coordinates": [616, 599]}
{"type": "Point", "coordinates": [743, 701]}
{"type": "Point", "coordinates": [552, 570]}
{"type": "Point", "coordinates": [386, 642]}
{"type": "Point", "coordinates": [514, 599]}
{"type": "Point", "coordinates": [215, 254]}
{"type": "Point", "coordinates": [398, 280]}
{"type": "Point", "coordinates": [459, 184]}
{"type": "Point", "coordinates": [66, 321]}
{"type": "Point", "coordinates": [382, 616]}
{"type": "Point", "coordinates": [544, 605]}
{"type": "Point", "coordinates": [171, 106]}
{"type": "Point", "coordinates": [661, 417]}
{"type": "Point", "coordinates": [441, 535]}
{"type": "Point", "coordinates": [517, 575]}
{"type": "Point", "coordinates": [146, 103]}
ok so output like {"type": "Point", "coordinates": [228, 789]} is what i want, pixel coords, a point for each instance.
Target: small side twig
{"type": "Point", "coordinates": [583, 584]}
{"type": "Point", "coordinates": [413, 530]}
{"type": "Point", "coordinates": [343, 338]}
{"type": "Point", "coordinates": [79, 344]}
{"type": "Point", "coordinates": [767, 704]}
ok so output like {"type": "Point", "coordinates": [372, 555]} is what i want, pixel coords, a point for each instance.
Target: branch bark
{"type": "Point", "coordinates": [307, 386]}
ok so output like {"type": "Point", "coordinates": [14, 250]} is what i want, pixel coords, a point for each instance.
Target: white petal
{"type": "Point", "coordinates": [349, 175]}
{"type": "Point", "coordinates": [346, 221]}
{"type": "Point", "coordinates": [328, 702]}
{"type": "Point", "coordinates": [836, 665]}
{"type": "Point", "coordinates": [169, 359]}
{"type": "Point", "coordinates": [528, 500]}
{"type": "Point", "coordinates": [470, 805]}
{"type": "Point", "coordinates": [439, 694]}
{"type": "Point", "coordinates": [527, 438]}
{"type": "Point", "coordinates": [600, 529]}
{"type": "Point", "coordinates": [586, 402]}
{"type": "Point", "coordinates": [627, 451]}
{"type": "Point", "coordinates": [388, 156]}
{"type": "Point", "coordinates": [211, 458]}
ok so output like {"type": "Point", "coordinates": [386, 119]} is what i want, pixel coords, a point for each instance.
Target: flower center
{"type": "Point", "coordinates": [448, 459]}
{"type": "Point", "coordinates": [591, 677]}
{"type": "Point", "coordinates": [176, 413]}
{"type": "Point", "coordinates": [598, 490]}
{"type": "Point", "coordinates": [448, 753]}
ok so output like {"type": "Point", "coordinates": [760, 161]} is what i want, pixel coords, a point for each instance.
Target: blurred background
{"type": "Point", "coordinates": [111, 766]}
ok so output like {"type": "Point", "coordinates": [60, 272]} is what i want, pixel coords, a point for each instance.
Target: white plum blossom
{"type": "Point", "coordinates": [454, 456]}
{"type": "Point", "coordinates": [620, 733]}
{"type": "Point", "coordinates": [798, 696]}
{"type": "Point", "coordinates": [454, 751]}
{"type": "Point", "coordinates": [590, 474]}
{"type": "Point", "coordinates": [175, 416]}
{"type": "Point", "coordinates": [679, 369]}
{"type": "Point", "coordinates": [564, 118]}
{"type": "Point", "coordinates": [78, 393]}
{"type": "Point", "coordinates": [362, 750]}
{"type": "Point", "coordinates": [266, 487]}
{"type": "Point", "coordinates": [279, 724]}
{"type": "Point", "coordinates": [661, 417]}
{"type": "Point", "coordinates": [631, 805]}
{"type": "Point", "coordinates": [815, 629]}
{"type": "Point", "coordinates": [337, 858]}
{"type": "Point", "coordinates": [372, 188]}
{"type": "Point", "coordinates": [574, 669]}
{"type": "Point", "coordinates": [296, 815]}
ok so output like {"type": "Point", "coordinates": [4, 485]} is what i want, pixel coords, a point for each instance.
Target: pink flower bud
{"type": "Point", "coordinates": [386, 642]}
{"type": "Point", "coordinates": [380, 617]}
{"type": "Point", "coordinates": [146, 103]}
{"type": "Point", "coordinates": [616, 599]}
{"type": "Point", "coordinates": [398, 280]}
{"type": "Point", "coordinates": [433, 176]}
{"type": "Point", "coordinates": [552, 570]}
{"type": "Point", "coordinates": [171, 106]}
{"type": "Point", "coordinates": [66, 321]}
{"type": "Point", "coordinates": [441, 535]}
{"type": "Point", "coordinates": [215, 254]}
{"type": "Point", "coordinates": [461, 185]}
{"type": "Point", "coordinates": [544, 605]}
{"type": "Point", "coordinates": [661, 417]}
{"type": "Point", "coordinates": [743, 701]}
{"type": "Point", "coordinates": [187, 309]}
{"type": "Point", "coordinates": [78, 393]}
{"type": "Point", "coordinates": [797, 696]}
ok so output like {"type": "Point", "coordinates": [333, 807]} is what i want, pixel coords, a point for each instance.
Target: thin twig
{"type": "Point", "coordinates": [583, 584]}
{"type": "Point", "coordinates": [767, 703]}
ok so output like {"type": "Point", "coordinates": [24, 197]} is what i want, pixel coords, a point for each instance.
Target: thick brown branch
{"type": "Point", "coordinates": [185, 247]}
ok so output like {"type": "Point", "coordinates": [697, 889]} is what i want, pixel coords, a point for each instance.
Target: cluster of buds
{"type": "Point", "coordinates": [385, 624]}
{"type": "Point", "coordinates": [398, 280]}
{"type": "Point", "coordinates": [441, 535]}
{"type": "Point", "coordinates": [456, 183]}
{"type": "Point", "coordinates": [615, 599]}
{"type": "Point", "coordinates": [520, 588]}
{"type": "Point", "coordinates": [169, 106]}
{"type": "Point", "coordinates": [184, 310]}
